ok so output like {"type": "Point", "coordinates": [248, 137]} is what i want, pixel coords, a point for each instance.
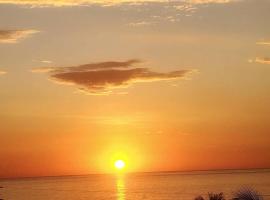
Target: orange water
{"type": "Point", "coordinates": [152, 186]}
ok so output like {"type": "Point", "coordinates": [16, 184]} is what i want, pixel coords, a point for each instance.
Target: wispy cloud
{"type": "Point", "coordinates": [261, 60]}
{"type": "Point", "coordinates": [103, 2]}
{"type": "Point", "coordinates": [264, 60]}
{"type": "Point", "coordinates": [13, 36]}
{"type": "Point", "coordinates": [2, 72]}
{"type": "Point", "coordinates": [211, 1]}
{"type": "Point", "coordinates": [185, 7]}
{"type": "Point", "coordinates": [263, 42]}
{"type": "Point", "coordinates": [141, 23]}
{"type": "Point", "coordinates": [46, 61]}
{"type": "Point", "coordinates": [102, 78]}
{"type": "Point", "coordinates": [73, 2]}
{"type": "Point", "coordinates": [43, 61]}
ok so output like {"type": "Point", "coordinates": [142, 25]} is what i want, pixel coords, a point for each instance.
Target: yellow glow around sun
{"type": "Point", "coordinates": [119, 158]}
{"type": "Point", "coordinates": [119, 164]}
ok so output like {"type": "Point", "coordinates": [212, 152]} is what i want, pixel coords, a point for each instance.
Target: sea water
{"type": "Point", "coordinates": [152, 186]}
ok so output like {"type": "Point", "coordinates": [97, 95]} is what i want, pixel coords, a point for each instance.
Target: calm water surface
{"type": "Point", "coordinates": [152, 186]}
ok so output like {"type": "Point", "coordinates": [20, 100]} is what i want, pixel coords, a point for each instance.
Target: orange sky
{"type": "Point", "coordinates": [163, 85]}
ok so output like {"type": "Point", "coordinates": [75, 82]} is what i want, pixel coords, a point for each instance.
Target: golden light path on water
{"type": "Point", "coordinates": [120, 187]}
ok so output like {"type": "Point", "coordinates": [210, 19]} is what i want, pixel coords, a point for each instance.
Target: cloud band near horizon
{"type": "Point", "coordinates": [41, 3]}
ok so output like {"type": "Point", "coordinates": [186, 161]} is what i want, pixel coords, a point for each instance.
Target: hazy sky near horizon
{"type": "Point", "coordinates": [164, 85]}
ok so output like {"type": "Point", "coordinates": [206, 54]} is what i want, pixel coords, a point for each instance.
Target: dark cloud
{"type": "Point", "coordinates": [12, 36]}
{"type": "Point", "coordinates": [100, 78]}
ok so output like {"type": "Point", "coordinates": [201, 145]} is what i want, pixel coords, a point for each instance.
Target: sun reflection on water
{"type": "Point", "coordinates": [120, 188]}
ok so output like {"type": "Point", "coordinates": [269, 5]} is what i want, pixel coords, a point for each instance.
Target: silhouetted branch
{"type": "Point", "coordinates": [213, 196]}
{"type": "Point", "coordinates": [199, 198]}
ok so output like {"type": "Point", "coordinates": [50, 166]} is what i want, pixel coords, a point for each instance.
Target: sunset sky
{"type": "Point", "coordinates": [164, 85]}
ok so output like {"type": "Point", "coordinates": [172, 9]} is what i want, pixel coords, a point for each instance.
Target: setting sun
{"type": "Point", "coordinates": [119, 164]}
{"type": "Point", "coordinates": [134, 99]}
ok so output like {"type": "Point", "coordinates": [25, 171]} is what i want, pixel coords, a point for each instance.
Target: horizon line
{"type": "Point", "coordinates": [183, 172]}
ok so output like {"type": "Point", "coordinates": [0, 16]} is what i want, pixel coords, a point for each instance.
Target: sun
{"type": "Point", "coordinates": [119, 164]}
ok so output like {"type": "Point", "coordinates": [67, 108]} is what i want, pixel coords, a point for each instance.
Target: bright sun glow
{"type": "Point", "coordinates": [119, 164]}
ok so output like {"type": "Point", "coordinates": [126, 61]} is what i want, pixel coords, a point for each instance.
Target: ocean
{"type": "Point", "coordinates": [152, 186]}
